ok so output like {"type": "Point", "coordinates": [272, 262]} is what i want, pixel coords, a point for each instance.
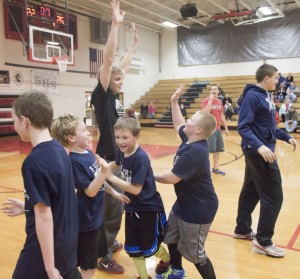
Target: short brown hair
{"type": "Point", "coordinates": [207, 122]}
{"type": "Point", "coordinates": [265, 70]}
{"type": "Point", "coordinates": [64, 126]}
{"type": "Point", "coordinates": [128, 123]}
{"type": "Point", "coordinates": [36, 106]}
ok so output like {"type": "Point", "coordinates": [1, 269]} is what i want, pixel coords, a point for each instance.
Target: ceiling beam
{"type": "Point", "coordinates": [272, 4]}
{"type": "Point", "coordinates": [153, 13]}
{"type": "Point", "coordinates": [297, 2]}
{"type": "Point", "coordinates": [219, 6]}
{"type": "Point", "coordinates": [245, 5]}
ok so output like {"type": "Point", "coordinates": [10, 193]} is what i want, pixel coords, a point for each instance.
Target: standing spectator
{"type": "Point", "coordinates": [183, 110]}
{"type": "Point", "coordinates": [239, 104]}
{"type": "Point", "coordinates": [262, 182]}
{"type": "Point", "coordinates": [214, 106]}
{"type": "Point", "coordinates": [284, 109]}
{"type": "Point", "coordinates": [151, 110]}
{"type": "Point", "coordinates": [228, 110]}
{"type": "Point", "coordinates": [226, 98]}
{"type": "Point", "coordinates": [291, 120]}
{"type": "Point", "coordinates": [110, 80]}
{"type": "Point", "coordinates": [144, 110]}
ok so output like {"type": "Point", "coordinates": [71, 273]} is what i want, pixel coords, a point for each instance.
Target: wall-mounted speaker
{"type": "Point", "coordinates": [188, 10]}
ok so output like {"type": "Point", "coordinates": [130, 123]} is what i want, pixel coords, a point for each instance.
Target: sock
{"type": "Point", "coordinates": [140, 265]}
{"type": "Point", "coordinates": [176, 258]}
{"type": "Point", "coordinates": [206, 269]}
{"type": "Point", "coordinates": [162, 254]}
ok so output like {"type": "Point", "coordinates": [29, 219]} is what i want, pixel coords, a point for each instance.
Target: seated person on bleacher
{"type": "Point", "coordinates": [292, 88]}
{"type": "Point", "coordinates": [151, 110]}
{"type": "Point", "coordinates": [289, 79]}
{"type": "Point", "coordinates": [144, 110]}
{"type": "Point", "coordinates": [228, 110]}
{"type": "Point", "coordinates": [291, 120]}
{"type": "Point", "coordinates": [291, 96]}
{"type": "Point", "coordinates": [226, 98]}
{"type": "Point", "coordinates": [281, 92]}
{"type": "Point", "coordinates": [284, 110]}
{"type": "Point", "coordinates": [281, 79]}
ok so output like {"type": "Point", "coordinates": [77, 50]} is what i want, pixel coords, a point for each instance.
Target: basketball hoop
{"type": "Point", "coordinates": [61, 61]}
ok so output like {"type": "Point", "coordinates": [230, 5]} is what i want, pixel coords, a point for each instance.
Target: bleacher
{"type": "Point", "coordinates": [162, 91]}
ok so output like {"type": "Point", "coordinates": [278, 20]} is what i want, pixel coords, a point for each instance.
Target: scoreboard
{"type": "Point", "coordinates": [18, 15]}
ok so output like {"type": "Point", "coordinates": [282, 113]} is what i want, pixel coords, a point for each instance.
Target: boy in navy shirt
{"type": "Point", "coordinates": [50, 249]}
{"type": "Point", "coordinates": [145, 216]}
{"type": "Point", "coordinates": [89, 173]}
{"type": "Point", "coordinates": [196, 205]}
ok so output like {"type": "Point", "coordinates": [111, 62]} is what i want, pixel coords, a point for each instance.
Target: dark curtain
{"type": "Point", "coordinates": [226, 43]}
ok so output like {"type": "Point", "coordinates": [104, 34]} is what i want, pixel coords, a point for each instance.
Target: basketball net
{"type": "Point", "coordinates": [61, 61]}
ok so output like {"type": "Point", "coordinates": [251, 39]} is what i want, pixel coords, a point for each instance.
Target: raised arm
{"type": "Point", "coordinates": [177, 117]}
{"type": "Point", "coordinates": [125, 63]}
{"type": "Point", "coordinates": [111, 45]}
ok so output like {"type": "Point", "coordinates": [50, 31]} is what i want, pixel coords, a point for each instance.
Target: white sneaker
{"type": "Point", "coordinates": [271, 250]}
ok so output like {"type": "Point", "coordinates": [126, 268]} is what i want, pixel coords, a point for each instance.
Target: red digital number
{"type": "Point", "coordinates": [45, 11]}
{"type": "Point", "coordinates": [30, 11]}
{"type": "Point", "coordinates": [60, 19]}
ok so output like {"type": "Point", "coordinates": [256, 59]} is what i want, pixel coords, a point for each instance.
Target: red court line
{"type": "Point", "coordinates": [11, 189]}
{"type": "Point", "coordinates": [294, 238]}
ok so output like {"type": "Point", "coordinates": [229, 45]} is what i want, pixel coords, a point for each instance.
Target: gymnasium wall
{"type": "Point", "coordinates": [72, 85]}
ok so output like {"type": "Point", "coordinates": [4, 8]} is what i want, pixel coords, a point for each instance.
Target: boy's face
{"type": "Point", "coordinates": [271, 81]}
{"type": "Point", "coordinates": [116, 82]}
{"type": "Point", "coordinates": [20, 125]}
{"type": "Point", "coordinates": [192, 125]}
{"type": "Point", "coordinates": [82, 138]}
{"type": "Point", "coordinates": [214, 90]}
{"type": "Point", "coordinates": [126, 141]}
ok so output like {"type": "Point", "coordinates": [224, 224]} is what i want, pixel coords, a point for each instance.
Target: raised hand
{"type": "Point", "coordinates": [178, 92]}
{"type": "Point", "coordinates": [13, 207]}
{"type": "Point", "coordinates": [117, 15]}
{"type": "Point", "coordinates": [135, 33]}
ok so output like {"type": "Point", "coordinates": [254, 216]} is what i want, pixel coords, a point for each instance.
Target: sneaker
{"type": "Point", "coordinates": [247, 236]}
{"type": "Point", "coordinates": [271, 250]}
{"type": "Point", "coordinates": [217, 171]}
{"type": "Point", "coordinates": [171, 273]}
{"type": "Point", "coordinates": [117, 248]}
{"type": "Point", "coordinates": [162, 267]}
{"type": "Point", "coordinates": [110, 267]}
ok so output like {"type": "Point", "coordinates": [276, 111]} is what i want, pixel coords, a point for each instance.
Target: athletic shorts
{"type": "Point", "coordinates": [215, 142]}
{"type": "Point", "coordinates": [91, 246]}
{"type": "Point", "coordinates": [190, 238]}
{"type": "Point", "coordinates": [144, 232]}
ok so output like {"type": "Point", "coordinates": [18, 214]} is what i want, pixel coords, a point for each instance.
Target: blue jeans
{"type": "Point", "coordinates": [262, 183]}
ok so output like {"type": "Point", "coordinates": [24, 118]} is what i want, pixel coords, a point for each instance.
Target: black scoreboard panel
{"type": "Point", "coordinates": [38, 15]}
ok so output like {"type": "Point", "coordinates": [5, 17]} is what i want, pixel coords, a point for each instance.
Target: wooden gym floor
{"type": "Point", "coordinates": [232, 259]}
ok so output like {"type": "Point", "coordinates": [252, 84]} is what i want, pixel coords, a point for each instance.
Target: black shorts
{"type": "Point", "coordinates": [91, 246]}
{"type": "Point", "coordinates": [144, 232]}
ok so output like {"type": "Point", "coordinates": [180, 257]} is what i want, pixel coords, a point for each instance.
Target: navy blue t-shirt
{"type": "Point", "coordinates": [137, 170]}
{"type": "Point", "coordinates": [90, 209]}
{"type": "Point", "coordinates": [196, 201]}
{"type": "Point", "coordinates": [48, 179]}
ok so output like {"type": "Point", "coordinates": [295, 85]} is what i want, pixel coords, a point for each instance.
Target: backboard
{"type": "Point", "coordinates": [44, 44]}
